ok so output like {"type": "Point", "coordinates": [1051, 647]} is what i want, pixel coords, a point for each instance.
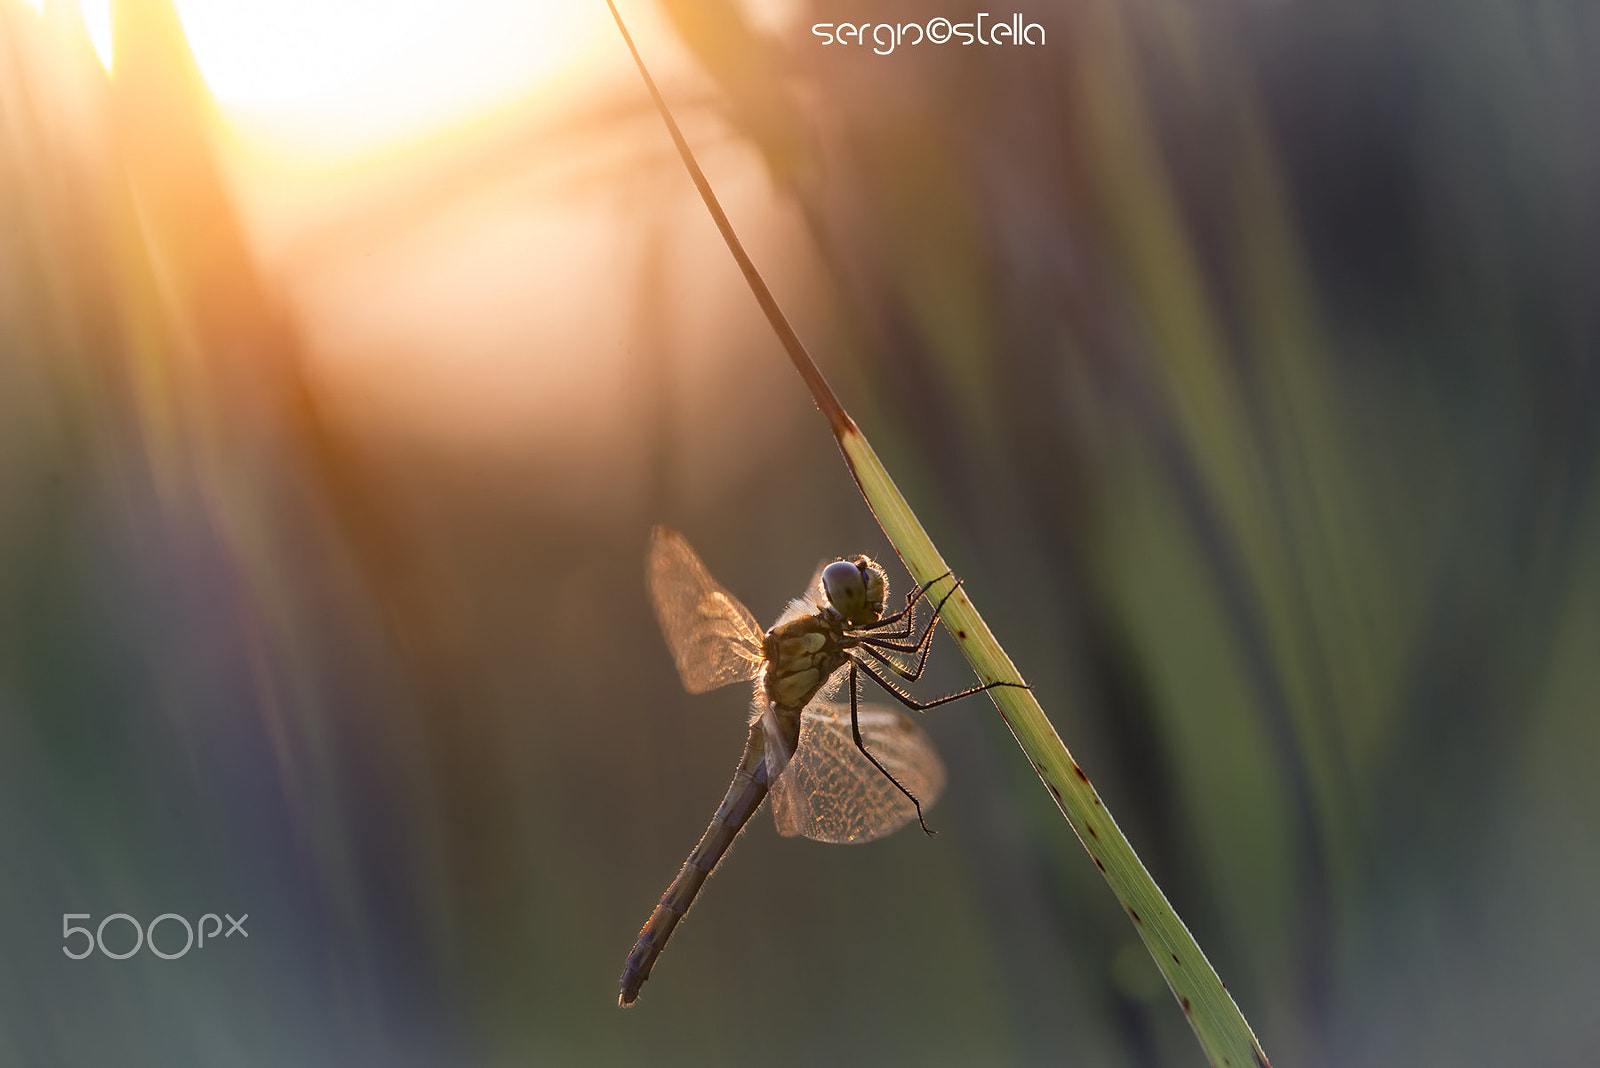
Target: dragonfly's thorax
{"type": "Point", "coordinates": [801, 654]}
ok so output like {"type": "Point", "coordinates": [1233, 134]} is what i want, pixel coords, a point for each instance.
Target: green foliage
{"type": "Point", "coordinates": [1217, 1022]}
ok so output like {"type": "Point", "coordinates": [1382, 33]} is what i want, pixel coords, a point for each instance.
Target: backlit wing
{"type": "Point", "coordinates": [830, 792]}
{"type": "Point", "coordinates": [809, 600]}
{"type": "Point", "coordinates": [714, 639]}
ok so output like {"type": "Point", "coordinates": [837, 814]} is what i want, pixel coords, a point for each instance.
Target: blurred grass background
{"type": "Point", "coordinates": [1243, 357]}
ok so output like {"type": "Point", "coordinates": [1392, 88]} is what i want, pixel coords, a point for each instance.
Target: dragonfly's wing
{"type": "Point", "coordinates": [808, 602]}
{"type": "Point", "coordinates": [814, 587]}
{"type": "Point", "coordinates": [714, 639]}
{"type": "Point", "coordinates": [830, 792]}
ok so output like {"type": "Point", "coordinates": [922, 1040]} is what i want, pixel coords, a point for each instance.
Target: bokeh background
{"type": "Point", "coordinates": [1243, 356]}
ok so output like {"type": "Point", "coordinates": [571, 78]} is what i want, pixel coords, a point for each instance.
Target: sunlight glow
{"type": "Point", "coordinates": [97, 20]}
{"type": "Point", "coordinates": [341, 77]}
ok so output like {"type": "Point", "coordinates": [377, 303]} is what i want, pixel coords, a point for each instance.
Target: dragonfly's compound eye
{"type": "Point", "coordinates": [856, 589]}
{"type": "Point", "coordinates": [846, 590]}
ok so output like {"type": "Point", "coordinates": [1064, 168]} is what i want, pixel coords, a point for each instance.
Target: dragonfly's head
{"type": "Point", "coordinates": [856, 588]}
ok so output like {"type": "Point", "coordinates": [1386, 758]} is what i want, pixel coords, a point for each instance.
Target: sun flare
{"type": "Point", "coordinates": [97, 20]}
{"type": "Point", "coordinates": [361, 72]}
{"type": "Point", "coordinates": [337, 78]}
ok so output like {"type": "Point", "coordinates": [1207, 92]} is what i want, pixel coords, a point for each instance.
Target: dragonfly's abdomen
{"type": "Point", "coordinates": [744, 796]}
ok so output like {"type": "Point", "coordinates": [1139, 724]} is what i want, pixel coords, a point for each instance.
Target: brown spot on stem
{"type": "Point", "coordinates": [1187, 1008]}
{"type": "Point", "coordinates": [1048, 785]}
{"type": "Point", "coordinates": [961, 634]}
{"type": "Point", "coordinates": [1091, 830]}
{"type": "Point", "coordinates": [1176, 961]}
{"type": "Point", "coordinates": [1079, 772]}
{"type": "Point", "coordinates": [1135, 916]}
{"type": "Point", "coordinates": [1099, 865]}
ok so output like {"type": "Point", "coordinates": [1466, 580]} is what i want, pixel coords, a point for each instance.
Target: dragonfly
{"type": "Point", "coordinates": [834, 771]}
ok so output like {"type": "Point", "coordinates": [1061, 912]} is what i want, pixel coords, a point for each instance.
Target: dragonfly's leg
{"type": "Point", "coordinates": [911, 674]}
{"type": "Point", "coordinates": [906, 617]}
{"type": "Point", "coordinates": [855, 732]}
{"type": "Point", "coordinates": [898, 639]}
{"type": "Point", "coordinates": [911, 599]}
{"type": "Point", "coordinates": [923, 644]}
{"type": "Point", "coordinates": [899, 633]}
{"type": "Point", "coordinates": [922, 706]}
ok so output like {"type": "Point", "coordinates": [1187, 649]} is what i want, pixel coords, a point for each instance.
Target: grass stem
{"type": "Point", "coordinates": [1220, 1027]}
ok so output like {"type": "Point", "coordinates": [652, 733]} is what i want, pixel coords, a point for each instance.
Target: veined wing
{"type": "Point", "coordinates": [808, 601]}
{"type": "Point", "coordinates": [830, 792]}
{"type": "Point", "coordinates": [714, 639]}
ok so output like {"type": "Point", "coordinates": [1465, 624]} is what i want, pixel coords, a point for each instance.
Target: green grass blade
{"type": "Point", "coordinates": [1223, 1032]}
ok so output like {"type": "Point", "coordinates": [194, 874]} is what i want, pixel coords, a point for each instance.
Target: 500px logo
{"type": "Point", "coordinates": [143, 936]}
{"type": "Point", "coordinates": [885, 37]}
